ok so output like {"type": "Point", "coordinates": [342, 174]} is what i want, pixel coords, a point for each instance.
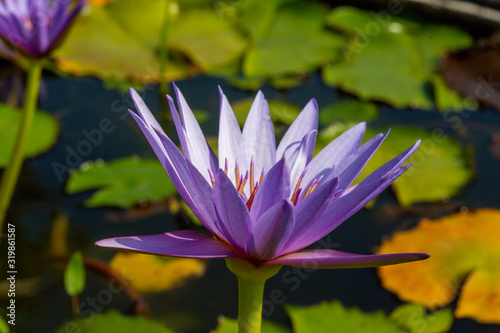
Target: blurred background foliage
{"type": "Point", "coordinates": [389, 67]}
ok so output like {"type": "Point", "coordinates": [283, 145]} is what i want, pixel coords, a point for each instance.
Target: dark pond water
{"type": "Point", "coordinates": [82, 103]}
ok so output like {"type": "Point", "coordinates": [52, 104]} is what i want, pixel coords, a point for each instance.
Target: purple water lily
{"type": "Point", "coordinates": [35, 27]}
{"type": "Point", "coordinates": [264, 204]}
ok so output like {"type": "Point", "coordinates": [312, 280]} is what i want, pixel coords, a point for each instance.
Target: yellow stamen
{"type": "Point", "coordinates": [237, 174]}
{"type": "Point", "coordinates": [295, 195]}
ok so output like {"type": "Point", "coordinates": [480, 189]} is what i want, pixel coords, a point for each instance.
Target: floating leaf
{"type": "Point", "coordinates": [107, 39]}
{"type": "Point", "coordinates": [147, 273]}
{"type": "Point", "coordinates": [113, 322]}
{"type": "Point", "coordinates": [388, 58]}
{"type": "Point", "coordinates": [100, 45]}
{"type": "Point", "coordinates": [227, 325]}
{"type": "Point", "coordinates": [294, 26]}
{"type": "Point", "coordinates": [450, 100]}
{"type": "Point", "coordinates": [327, 317]}
{"type": "Point", "coordinates": [465, 255]}
{"type": "Point", "coordinates": [414, 319]}
{"type": "Point", "coordinates": [42, 136]}
{"type": "Point", "coordinates": [348, 112]}
{"type": "Point", "coordinates": [74, 275]}
{"type": "Point", "coordinates": [121, 183]}
{"type": "Point", "coordinates": [208, 41]}
{"type": "Point", "coordinates": [440, 165]}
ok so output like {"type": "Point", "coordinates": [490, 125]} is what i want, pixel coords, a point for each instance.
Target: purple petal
{"type": "Point", "coordinates": [231, 145]}
{"type": "Point", "coordinates": [258, 135]}
{"type": "Point", "coordinates": [270, 233]}
{"type": "Point", "coordinates": [305, 123]}
{"type": "Point", "coordinates": [175, 166]}
{"type": "Point", "coordinates": [332, 155]}
{"type": "Point", "coordinates": [349, 202]}
{"type": "Point", "coordinates": [354, 198]}
{"type": "Point", "coordinates": [298, 156]}
{"type": "Point", "coordinates": [274, 188]}
{"type": "Point", "coordinates": [393, 164]}
{"type": "Point", "coordinates": [307, 211]}
{"type": "Point", "coordinates": [335, 259]}
{"type": "Point", "coordinates": [144, 111]}
{"type": "Point", "coordinates": [194, 144]}
{"type": "Point", "coordinates": [182, 243]}
{"type": "Point", "coordinates": [351, 166]}
{"type": "Point", "coordinates": [202, 194]}
{"type": "Point", "coordinates": [231, 211]}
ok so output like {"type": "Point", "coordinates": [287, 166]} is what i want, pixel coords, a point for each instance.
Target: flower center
{"type": "Point", "coordinates": [241, 181]}
{"type": "Point", "coordinates": [298, 190]}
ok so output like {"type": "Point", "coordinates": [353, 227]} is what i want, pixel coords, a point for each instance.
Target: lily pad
{"type": "Point", "coordinates": [413, 317]}
{"type": "Point", "coordinates": [440, 168]}
{"type": "Point", "coordinates": [147, 273]}
{"type": "Point", "coordinates": [208, 41]}
{"type": "Point", "coordinates": [106, 40]}
{"type": "Point", "coordinates": [227, 325]}
{"type": "Point", "coordinates": [348, 112]}
{"type": "Point", "coordinates": [465, 257]}
{"type": "Point", "coordinates": [122, 183]}
{"type": "Point", "coordinates": [98, 45]}
{"type": "Point", "coordinates": [296, 26]}
{"type": "Point", "coordinates": [113, 322]}
{"type": "Point", "coordinates": [43, 133]}
{"type": "Point", "coordinates": [390, 59]}
{"type": "Point", "coordinates": [332, 316]}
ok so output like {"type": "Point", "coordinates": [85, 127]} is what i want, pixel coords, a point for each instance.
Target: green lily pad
{"type": "Point", "coordinates": [122, 183]}
{"type": "Point", "coordinates": [227, 325]}
{"type": "Point", "coordinates": [113, 322]}
{"type": "Point", "coordinates": [208, 41]}
{"type": "Point", "coordinates": [98, 45]}
{"type": "Point", "coordinates": [105, 41]}
{"type": "Point", "coordinates": [390, 59]}
{"type": "Point", "coordinates": [348, 111]}
{"type": "Point", "coordinates": [43, 133]}
{"type": "Point", "coordinates": [334, 317]}
{"type": "Point", "coordinates": [330, 317]}
{"type": "Point", "coordinates": [296, 26]}
{"type": "Point", "coordinates": [450, 100]}
{"type": "Point", "coordinates": [440, 168]}
{"type": "Point", "coordinates": [414, 319]}
{"type": "Point", "coordinates": [74, 275]}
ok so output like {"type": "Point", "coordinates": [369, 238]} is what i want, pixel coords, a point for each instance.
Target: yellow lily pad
{"type": "Point", "coordinates": [465, 259]}
{"type": "Point", "coordinates": [147, 273]}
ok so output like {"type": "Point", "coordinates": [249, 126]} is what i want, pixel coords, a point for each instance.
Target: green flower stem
{"type": "Point", "coordinates": [251, 281]}
{"type": "Point", "coordinates": [11, 173]}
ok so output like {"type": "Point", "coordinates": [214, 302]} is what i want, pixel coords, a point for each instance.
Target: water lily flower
{"type": "Point", "coordinates": [263, 204]}
{"type": "Point", "coordinates": [35, 27]}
